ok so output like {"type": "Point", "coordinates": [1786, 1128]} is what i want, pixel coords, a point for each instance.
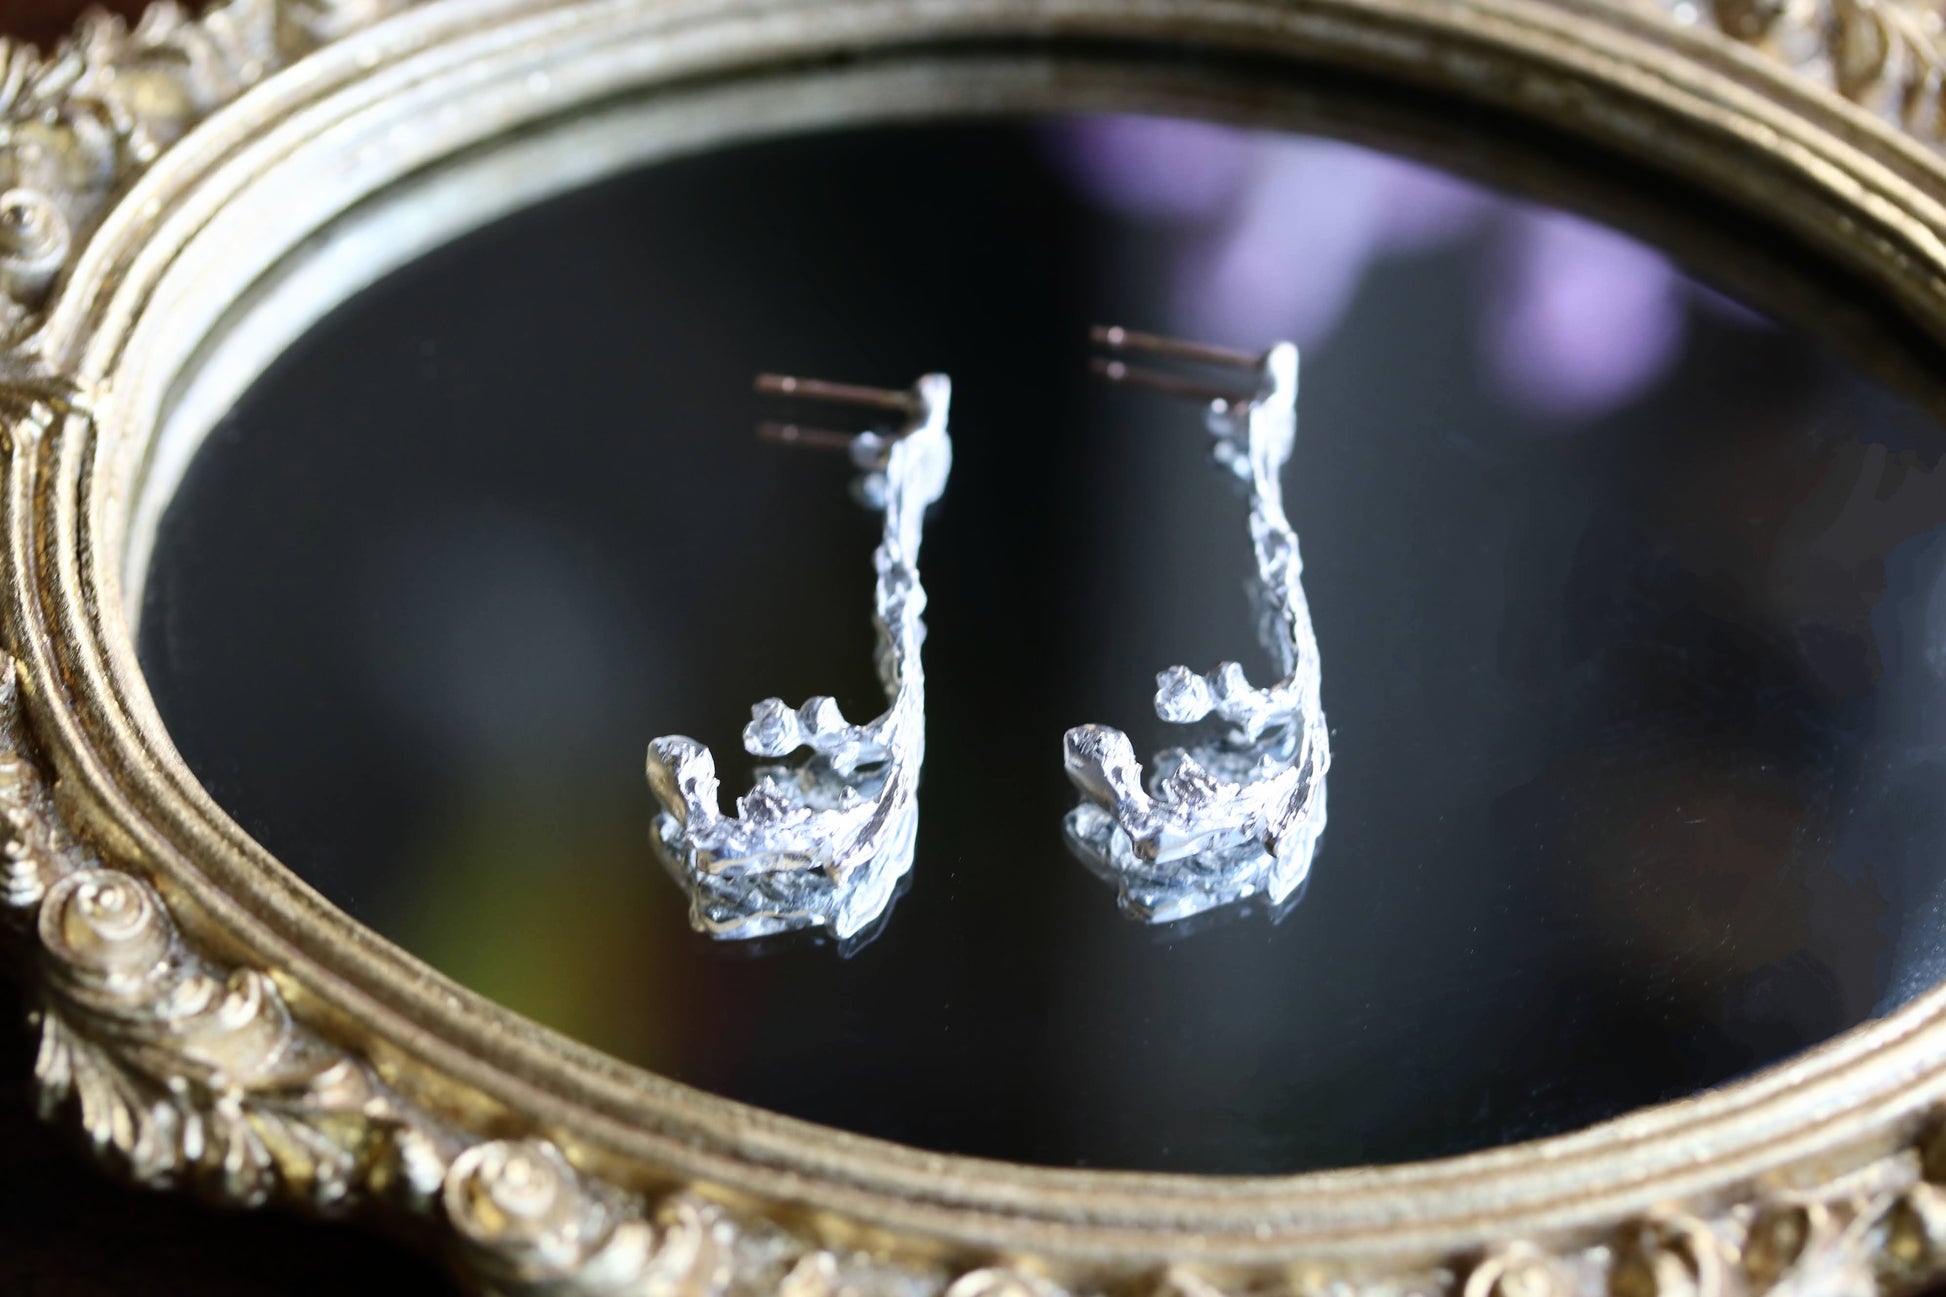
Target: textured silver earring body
{"type": "Point", "coordinates": [1239, 814]}
{"type": "Point", "coordinates": [823, 843]}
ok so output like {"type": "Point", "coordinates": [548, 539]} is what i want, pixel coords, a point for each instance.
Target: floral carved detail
{"type": "Point", "coordinates": [1887, 55]}
{"type": "Point", "coordinates": [534, 1225]}
{"type": "Point", "coordinates": [1521, 1271]}
{"type": "Point", "coordinates": [1876, 1230]}
{"type": "Point", "coordinates": [180, 1072]}
{"type": "Point", "coordinates": [1003, 1283]}
{"type": "Point", "coordinates": [1673, 1255]}
{"type": "Point", "coordinates": [205, 1079]}
{"type": "Point", "coordinates": [76, 125]}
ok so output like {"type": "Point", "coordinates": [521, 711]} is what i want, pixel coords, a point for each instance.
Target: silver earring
{"type": "Point", "coordinates": [826, 842]}
{"type": "Point", "coordinates": [1239, 815]}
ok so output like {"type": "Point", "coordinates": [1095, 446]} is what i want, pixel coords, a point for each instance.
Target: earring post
{"type": "Point", "coordinates": [816, 389]}
{"type": "Point", "coordinates": [1116, 371]}
{"type": "Point", "coordinates": [1115, 337]}
{"type": "Point", "coordinates": [792, 434]}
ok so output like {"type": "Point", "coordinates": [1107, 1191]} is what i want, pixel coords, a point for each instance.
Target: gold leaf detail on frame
{"type": "Point", "coordinates": [77, 124]}
{"type": "Point", "coordinates": [1889, 56]}
{"type": "Point", "coordinates": [537, 1226]}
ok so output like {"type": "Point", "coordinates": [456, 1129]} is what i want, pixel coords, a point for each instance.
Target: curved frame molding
{"type": "Point", "coordinates": [213, 1023]}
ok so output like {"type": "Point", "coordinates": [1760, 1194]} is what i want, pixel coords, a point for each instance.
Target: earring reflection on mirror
{"type": "Point", "coordinates": [824, 843]}
{"type": "Point", "coordinates": [1239, 815]}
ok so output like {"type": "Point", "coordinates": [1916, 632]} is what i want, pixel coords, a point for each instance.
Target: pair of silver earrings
{"type": "Point", "coordinates": [826, 842]}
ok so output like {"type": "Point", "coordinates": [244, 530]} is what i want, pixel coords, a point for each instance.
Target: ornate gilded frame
{"type": "Point", "coordinates": [215, 1024]}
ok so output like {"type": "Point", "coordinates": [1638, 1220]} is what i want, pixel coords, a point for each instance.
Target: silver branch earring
{"type": "Point", "coordinates": [1238, 815]}
{"type": "Point", "coordinates": [823, 843]}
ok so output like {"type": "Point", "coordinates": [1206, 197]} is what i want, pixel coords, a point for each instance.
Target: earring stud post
{"type": "Point", "coordinates": [793, 434]}
{"type": "Point", "coordinates": [1116, 371]}
{"type": "Point", "coordinates": [816, 389]}
{"type": "Point", "coordinates": [1117, 338]}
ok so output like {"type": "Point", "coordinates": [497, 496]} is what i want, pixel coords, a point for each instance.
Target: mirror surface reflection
{"type": "Point", "coordinates": [1627, 597]}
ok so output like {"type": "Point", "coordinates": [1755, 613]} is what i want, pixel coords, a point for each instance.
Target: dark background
{"type": "Point", "coordinates": [1625, 601]}
{"type": "Point", "coordinates": [46, 21]}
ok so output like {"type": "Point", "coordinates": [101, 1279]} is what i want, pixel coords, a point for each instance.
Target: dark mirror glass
{"type": "Point", "coordinates": [1627, 595]}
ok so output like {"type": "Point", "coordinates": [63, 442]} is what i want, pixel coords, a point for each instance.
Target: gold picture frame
{"type": "Point", "coordinates": [213, 1024]}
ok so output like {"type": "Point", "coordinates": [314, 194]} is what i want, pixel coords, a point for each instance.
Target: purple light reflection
{"type": "Point", "coordinates": [1282, 264]}
{"type": "Point", "coordinates": [1424, 209]}
{"type": "Point", "coordinates": [1586, 320]}
{"type": "Point", "coordinates": [1157, 168]}
{"type": "Point", "coordinates": [1274, 235]}
{"type": "Point", "coordinates": [1315, 216]}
